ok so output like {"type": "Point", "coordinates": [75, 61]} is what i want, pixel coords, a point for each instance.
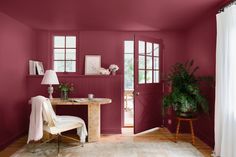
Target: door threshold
{"type": "Point", "coordinates": [128, 131]}
{"type": "Point", "coordinates": [148, 131]}
{"type": "Point", "coordinates": [128, 126]}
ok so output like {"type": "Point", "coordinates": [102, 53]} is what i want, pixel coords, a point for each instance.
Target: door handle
{"type": "Point", "coordinates": [137, 93]}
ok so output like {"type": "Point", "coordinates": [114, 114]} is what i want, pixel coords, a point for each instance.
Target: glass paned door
{"type": "Point", "coordinates": [147, 83]}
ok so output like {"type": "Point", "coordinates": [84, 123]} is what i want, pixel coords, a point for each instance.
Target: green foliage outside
{"type": "Point", "coordinates": [129, 71]}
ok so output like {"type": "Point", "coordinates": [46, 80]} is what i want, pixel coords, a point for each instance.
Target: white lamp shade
{"type": "Point", "coordinates": [50, 78]}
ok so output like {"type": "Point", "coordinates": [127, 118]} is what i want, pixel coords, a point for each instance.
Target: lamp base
{"type": "Point", "coordinates": [50, 91]}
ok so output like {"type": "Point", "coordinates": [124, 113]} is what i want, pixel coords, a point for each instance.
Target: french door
{"type": "Point", "coordinates": [148, 90]}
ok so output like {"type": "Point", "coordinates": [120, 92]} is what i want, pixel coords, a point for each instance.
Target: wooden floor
{"type": "Point", "coordinates": [155, 135]}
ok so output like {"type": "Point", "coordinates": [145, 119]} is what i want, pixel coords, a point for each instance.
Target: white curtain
{"type": "Point", "coordinates": [225, 101]}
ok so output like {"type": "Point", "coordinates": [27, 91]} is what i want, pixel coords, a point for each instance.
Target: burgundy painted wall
{"type": "Point", "coordinates": [16, 48]}
{"type": "Point", "coordinates": [201, 46]}
{"type": "Point", "coordinates": [109, 44]}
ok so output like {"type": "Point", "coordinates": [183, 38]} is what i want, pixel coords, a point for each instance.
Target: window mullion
{"type": "Point", "coordinates": [65, 56]}
{"type": "Point", "coordinates": [145, 62]}
{"type": "Point", "coordinates": [152, 62]}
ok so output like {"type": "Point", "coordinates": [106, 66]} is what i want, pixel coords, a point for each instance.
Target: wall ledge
{"type": "Point", "coordinates": [77, 75]}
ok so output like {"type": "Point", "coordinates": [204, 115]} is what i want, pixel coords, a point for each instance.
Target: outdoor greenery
{"type": "Point", "coordinates": [185, 96]}
{"type": "Point", "coordinates": [129, 71]}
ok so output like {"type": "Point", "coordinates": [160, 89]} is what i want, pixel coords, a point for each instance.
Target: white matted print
{"type": "Point", "coordinates": [92, 64]}
{"type": "Point", "coordinates": [39, 67]}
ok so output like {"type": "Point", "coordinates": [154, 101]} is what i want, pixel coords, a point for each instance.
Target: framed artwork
{"type": "Point", "coordinates": [36, 68]}
{"type": "Point", "coordinates": [92, 64]}
{"type": "Point", "coordinates": [39, 67]}
{"type": "Point", "coordinates": [32, 67]}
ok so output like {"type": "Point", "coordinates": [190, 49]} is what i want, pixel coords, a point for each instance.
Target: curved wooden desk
{"type": "Point", "coordinates": [93, 113]}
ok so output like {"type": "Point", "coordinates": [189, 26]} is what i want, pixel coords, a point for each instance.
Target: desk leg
{"type": "Point", "coordinates": [93, 122]}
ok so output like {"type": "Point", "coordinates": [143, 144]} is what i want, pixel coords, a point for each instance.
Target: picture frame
{"type": "Point", "coordinates": [92, 64]}
{"type": "Point", "coordinates": [36, 68]}
{"type": "Point", "coordinates": [32, 67]}
{"type": "Point", "coordinates": [39, 67]}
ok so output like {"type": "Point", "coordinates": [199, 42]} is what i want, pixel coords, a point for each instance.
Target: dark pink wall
{"type": "Point", "coordinates": [16, 47]}
{"type": "Point", "coordinates": [109, 44]}
{"type": "Point", "coordinates": [201, 46]}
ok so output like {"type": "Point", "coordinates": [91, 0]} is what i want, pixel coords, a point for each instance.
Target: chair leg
{"type": "Point", "coordinates": [74, 139]}
{"type": "Point", "coordinates": [38, 145]}
{"type": "Point", "coordinates": [58, 144]}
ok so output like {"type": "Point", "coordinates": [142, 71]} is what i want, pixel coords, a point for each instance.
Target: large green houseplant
{"type": "Point", "coordinates": [185, 97]}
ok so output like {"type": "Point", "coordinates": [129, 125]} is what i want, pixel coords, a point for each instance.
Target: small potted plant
{"type": "Point", "coordinates": [65, 89]}
{"type": "Point", "coordinates": [185, 97]}
{"type": "Point", "coordinates": [113, 68]}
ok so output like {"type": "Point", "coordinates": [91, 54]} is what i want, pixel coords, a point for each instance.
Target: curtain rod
{"type": "Point", "coordinates": [228, 4]}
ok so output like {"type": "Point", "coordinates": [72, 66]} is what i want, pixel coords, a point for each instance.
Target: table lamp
{"type": "Point", "coordinates": [50, 78]}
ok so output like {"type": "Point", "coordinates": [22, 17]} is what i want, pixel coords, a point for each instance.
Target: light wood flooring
{"type": "Point", "coordinates": [161, 134]}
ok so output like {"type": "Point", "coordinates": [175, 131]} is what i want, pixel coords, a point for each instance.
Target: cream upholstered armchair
{"type": "Point", "coordinates": [56, 125]}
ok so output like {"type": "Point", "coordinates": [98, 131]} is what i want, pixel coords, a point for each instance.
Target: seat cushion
{"type": "Point", "coordinates": [64, 123]}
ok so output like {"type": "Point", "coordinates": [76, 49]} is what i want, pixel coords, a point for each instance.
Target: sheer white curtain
{"type": "Point", "coordinates": [225, 102]}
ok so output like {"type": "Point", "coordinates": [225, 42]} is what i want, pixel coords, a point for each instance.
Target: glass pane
{"type": "Point", "coordinates": [59, 41]}
{"type": "Point", "coordinates": [141, 76]}
{"type": "Point", "coordinates": [141, 47]}
{"type": "Point", "coordinates": [129, 71]}
{"type": "Point", "coordinates": [70, 66]}
{"type": "Point", "coordinates": [149, 76]}
{"type": "Point", "coordinates": [156, 76]}
{"type": "Point", "coordinates": [156, 62]}
{"type": "Point", "coordinates": [149, 49]}
{"type": "Point", "coordinates": [149, 63]}
{"type": "Point", "coordinates": [59, 66]}
{"type": "Point", "coordinates": [156, 49]}
{"type": "Point", "coordinates": [70, 54]}
{"type": "Point", "coordinates": [59, 54]}
{"type": "Point", "coordinates": [129, 46]}
{"type": "Point", "coordinates": [141, 62]}
{"type": "Point", "coordinates": [70, 41]}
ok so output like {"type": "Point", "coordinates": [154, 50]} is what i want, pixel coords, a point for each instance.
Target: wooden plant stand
{"type": "Point", "coordinates": [190, 120]}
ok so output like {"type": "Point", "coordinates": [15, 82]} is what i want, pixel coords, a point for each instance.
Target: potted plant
{"type": "Point", "coordinates": [65, 89]}
{"type": "Point", "coordinates": [185, 97]}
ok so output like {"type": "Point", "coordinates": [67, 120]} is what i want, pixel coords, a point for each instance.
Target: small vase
{"type": "Point", "coordinates": [113, 72]}
{"type": "Point", "coordinates": [64, 95]}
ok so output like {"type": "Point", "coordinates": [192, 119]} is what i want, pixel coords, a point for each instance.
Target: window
{"type": "Point", "coordinates": [129, 64]}
{"type": "Point", "coordinates": [64, 53]}
{"type": "Point", "coordinates": [148, 65]}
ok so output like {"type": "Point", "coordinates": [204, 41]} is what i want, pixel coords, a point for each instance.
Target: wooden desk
{"type": "Point", "coordinates": [93, 113]}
